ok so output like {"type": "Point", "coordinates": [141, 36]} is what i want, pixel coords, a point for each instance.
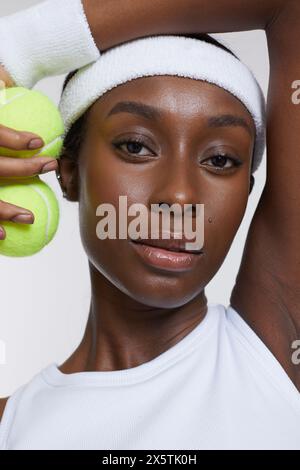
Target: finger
{"type": "Point", "coordinates": [12, 166]}
{"type": "Point", "coordinates": [19, 140]}
{"type": "Point", "coordinates": [2, 233]}
{"type": "Point", "coordinates": [15, 213]}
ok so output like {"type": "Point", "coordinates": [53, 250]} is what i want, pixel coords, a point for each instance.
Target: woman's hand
{"type": "Point", "coordinates": [15, 166]}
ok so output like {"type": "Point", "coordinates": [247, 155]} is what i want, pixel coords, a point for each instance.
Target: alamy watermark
{"type": "Point", "coordinates": [183, 222]}
{"type": "Point", "coordinates": [296, 94]}
{"type": "Point", "coordinates": [296, 353]}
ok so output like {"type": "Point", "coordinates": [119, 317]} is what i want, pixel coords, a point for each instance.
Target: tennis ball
{"type": "Point", "coordinates": [32, 111]}
{"type": "Point", "coordinates": [35, 195]}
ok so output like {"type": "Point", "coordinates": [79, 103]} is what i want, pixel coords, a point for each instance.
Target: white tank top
{"type": "Point", "coordinates": [219, 387]}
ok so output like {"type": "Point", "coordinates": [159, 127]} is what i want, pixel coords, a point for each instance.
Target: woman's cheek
{"type": "Point", "coordinates": [223, 214]}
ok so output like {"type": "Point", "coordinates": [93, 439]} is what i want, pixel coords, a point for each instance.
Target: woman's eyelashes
{"type": "Point", "coordinates": [136, 148]}
{"type": "Point", "coordinates": [222, 162]}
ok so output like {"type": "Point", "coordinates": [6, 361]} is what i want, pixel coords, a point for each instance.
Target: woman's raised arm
{"type": "Point", "coordinates": [114, 22]}
{"type": "Point", "coordinates": [29, 58]}
{"type": "Point", "coordinates": [267, 290]}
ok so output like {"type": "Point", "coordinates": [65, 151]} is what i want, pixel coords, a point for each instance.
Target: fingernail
{"type": "Point", "coordinates": [23, 218]}
{"type": "Point", "coordinates": [49, 166]}
{"type": "Point", "coordinates": [35, 144]}
{"type": "Point", "coordinates": [2, 234]}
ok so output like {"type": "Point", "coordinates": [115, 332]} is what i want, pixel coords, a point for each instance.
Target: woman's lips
{"type": "Point", "coordinates": [166, 259]}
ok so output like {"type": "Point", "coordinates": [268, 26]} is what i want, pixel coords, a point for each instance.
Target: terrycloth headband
{"type": "Point", "coordinates": [166, 55]}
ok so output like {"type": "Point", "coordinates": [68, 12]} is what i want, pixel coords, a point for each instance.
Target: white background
{"type": "Point", "coordinates": [44, 299]}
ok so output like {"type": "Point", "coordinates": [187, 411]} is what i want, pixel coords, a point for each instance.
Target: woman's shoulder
{"type": "Point", "coordinates": [11, 405]}
{"type": "Point", "coordinates": [8, 404]}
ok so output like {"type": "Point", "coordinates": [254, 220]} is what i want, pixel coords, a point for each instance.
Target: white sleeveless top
{"type": "Point", "coordinates": [219, 387]}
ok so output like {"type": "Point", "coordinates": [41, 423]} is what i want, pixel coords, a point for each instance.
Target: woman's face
{"type": "Point", "coordinates": [182, 130]}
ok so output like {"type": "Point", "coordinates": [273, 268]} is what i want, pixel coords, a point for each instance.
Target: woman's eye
{"type": "Point", "coordinates": [133, 147]}
{"type": "Point", "coordinates": [223, 161]}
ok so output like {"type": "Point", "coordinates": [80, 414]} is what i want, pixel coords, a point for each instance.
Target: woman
{"type": "Point", "coordinates": [238, 399]}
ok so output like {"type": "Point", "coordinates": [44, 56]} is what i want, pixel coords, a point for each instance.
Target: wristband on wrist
{"type": "Point", "coordinates": [50, 38]}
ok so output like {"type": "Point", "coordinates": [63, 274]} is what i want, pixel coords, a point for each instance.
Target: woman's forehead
{"type": "Point", "coordinates": [173, 95]}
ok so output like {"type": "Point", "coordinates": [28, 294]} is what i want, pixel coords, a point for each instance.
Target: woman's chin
{"type": "Point", "coordinates": [159, 292]}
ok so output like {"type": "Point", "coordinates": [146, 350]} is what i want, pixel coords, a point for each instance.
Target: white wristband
{"type": "Point", "coordinates": [50, 38]}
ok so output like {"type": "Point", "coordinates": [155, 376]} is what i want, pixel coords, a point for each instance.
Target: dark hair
{"type": "Point", "coordinates": [75, 136]}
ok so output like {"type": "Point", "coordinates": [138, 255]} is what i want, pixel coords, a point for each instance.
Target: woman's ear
{"type": "Point", "coordinates": [67, 175]}
{"type": "Point", "coordinates": [252, 181]}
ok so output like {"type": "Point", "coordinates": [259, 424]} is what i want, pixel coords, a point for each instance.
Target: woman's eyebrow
{"type": "Point", "coordinates": [135, 107]}
{"type": "Point", "coordinates": [150, 112]}
{"type": "Point", "coordinates": [224, 120]}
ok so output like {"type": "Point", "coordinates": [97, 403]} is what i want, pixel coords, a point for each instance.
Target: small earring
{"type": "Point", "coordinates": [58, 176]}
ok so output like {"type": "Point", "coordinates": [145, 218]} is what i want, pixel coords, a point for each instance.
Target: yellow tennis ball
{"type": "Point", "coordinates": [35, 195]}
{"type": "Point", "coordinates": [32, 111]}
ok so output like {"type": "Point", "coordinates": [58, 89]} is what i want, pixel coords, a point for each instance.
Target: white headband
{"type": "Point", "coordinates": [166, 55]}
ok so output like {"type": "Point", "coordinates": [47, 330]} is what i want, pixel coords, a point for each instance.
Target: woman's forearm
{"type": "Point", "coordinates": [115, 21]}
{"type": "Point", "coordinates": [111, 22]}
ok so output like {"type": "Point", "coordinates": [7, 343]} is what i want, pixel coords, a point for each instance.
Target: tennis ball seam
{"type": "Point", "coordinates": [48, 145]}
{"type": "Point", "coordinates": [48, 212]}
{"type": "Point", "coordinates": [13, 98]}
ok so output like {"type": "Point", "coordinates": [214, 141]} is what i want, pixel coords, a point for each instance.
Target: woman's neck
{"type": "Point", "coordinates": [122, 333]}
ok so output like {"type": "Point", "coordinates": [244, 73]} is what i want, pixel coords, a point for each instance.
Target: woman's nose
{"type": "Point", "coordinates": [177, 183]}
